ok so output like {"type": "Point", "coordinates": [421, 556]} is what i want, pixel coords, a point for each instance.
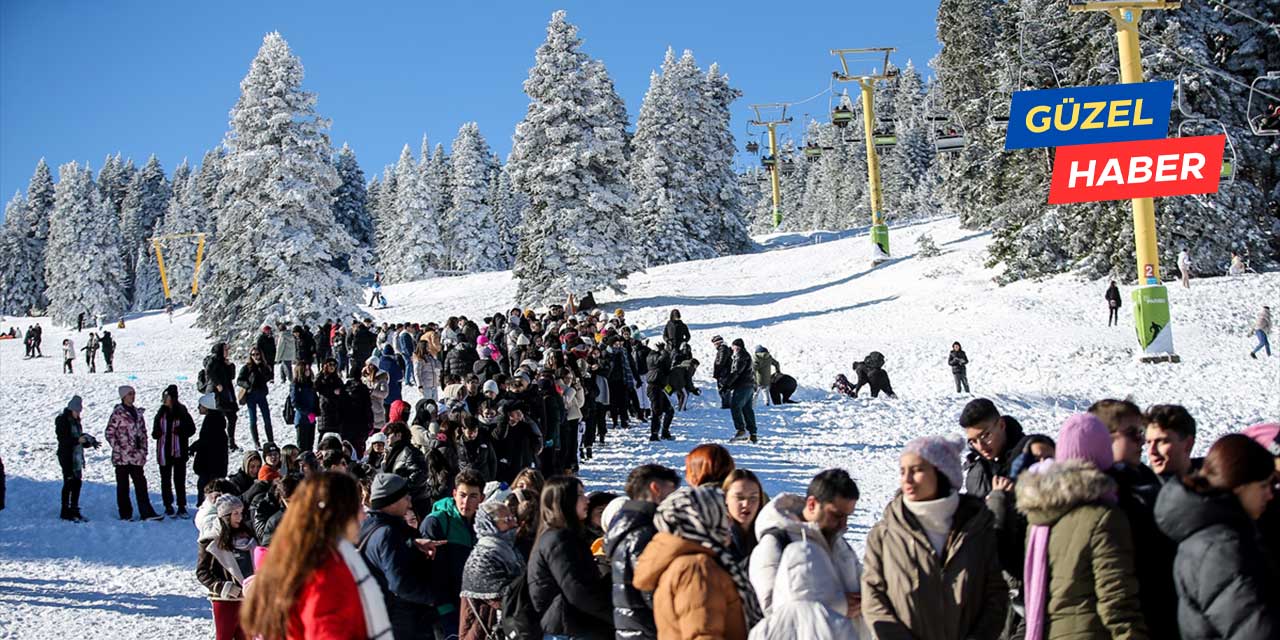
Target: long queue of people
{"type": "Point", "coordinates": [1019, 536]}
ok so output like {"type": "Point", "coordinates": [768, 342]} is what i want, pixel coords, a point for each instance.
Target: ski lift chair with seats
{"type": "Point", "coordinates": [753, 147]}
{"type": "Point", "coordinates": [1191, 120]}
{"type": "Point", "coordinates": [812, 150]}
{"type": "Point", "coordinates": [1264, 120]}
{"type": "Point", "coordinates": [788, 166]}
{"type": "Point", "coordinates": [841, 116]}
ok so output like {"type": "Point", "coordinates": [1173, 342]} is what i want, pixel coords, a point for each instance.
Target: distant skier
{"type": "Point", "coordinates": [1184, 268]}
{"type": "Point", "coordinates": [377, 288]}
{"type": "Point", "coordinates": [1113, 304]}
{"type": "Point", "coordinates": [960, 365]}
{"type": "Point", "coordinates": [1261, 327]}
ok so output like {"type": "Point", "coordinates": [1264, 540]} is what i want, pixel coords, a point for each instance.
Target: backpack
{"type": "Point", "coordinates": [288, 409]}
{"type": "Point", "coordinates": [202, 378]}
{"type": "Point", "coordinates": [520, 618]}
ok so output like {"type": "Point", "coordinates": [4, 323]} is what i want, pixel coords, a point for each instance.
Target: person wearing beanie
{"type": "Point", "coordinates": [209, 451]}
{"type": "Point", "coordinates": [171, 428]}
{"type": "Point", "coordinates": [375, 448]}
{"type": "Point", "coordinates": [1268, 435]}
{"type": "Point", "coordinates": [224, 564]}
{"type": "Point", "coordinates": [1078, 576]}
{"type": "Point", "coordinates": [270, 469]}
{"type": "Point", "coordinates": [127, 435]}
{"type": "Point", "coordinates": [71, 443]}
{"type": "Point", "coordinates": [919, 584]}
{"type": "Point", "coordinates": [765, 369]}
{"type": "Point", "coordinates": [399, 558]}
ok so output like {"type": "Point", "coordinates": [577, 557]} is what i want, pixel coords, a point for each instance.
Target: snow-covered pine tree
{"type": "Point", "coordinates": [278, 240]}
{"type": "Point", "coordinates": [386, 222]}
{"type": "Point", "coordinates": [145, 202]}
{"type": "Point", "coordinates": [148, 291]}
{"type": "Point", "coordinates": [508, 210]}
{"type": "Point", "coordinates": [436, 175]}
{"type": "Point", "coordinates": [351, 203]}
{"type": "Point", "coordinates": [905, 190]}
{"type": "Point", "coordinates": [475, 246]}
{"type": "Point", "coordinates": [83, 267]}
{"type": "Point", "coordinates": [113, 182]}
{"type": "Point", "coordinates": [717, 180]}
{"type": "Point", "coordinates": [207, 180]}
{"type": "Point", "coordinates": [666, 211]}
{"type": "Point", "coordinates": [568, 157]}
{"type": "Point", "coordinates": [414, 235]}
{"type": "Point", "coordinates": [39, 210]}
{"type": "Point", "coordinates": [21, 262]}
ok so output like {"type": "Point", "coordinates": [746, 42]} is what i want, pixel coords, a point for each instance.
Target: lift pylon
{"type": "Point", "coordinates": [164, 275]}
{"type": "Point", "coordinates": [774, 168]}
{"type": "Point", "coordinates": [867, 82]}
{"type": "Point", "coordinates": [1150, 298]}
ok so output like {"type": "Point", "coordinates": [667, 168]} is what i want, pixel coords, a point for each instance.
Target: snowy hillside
{"type": "Point", "coordinates": [1040, 350]}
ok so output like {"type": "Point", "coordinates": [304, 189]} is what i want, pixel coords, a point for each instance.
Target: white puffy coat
{"type": "Point", "coordinates": [804, 577]}
{"type": "Point", "coordinates": [768, 571]}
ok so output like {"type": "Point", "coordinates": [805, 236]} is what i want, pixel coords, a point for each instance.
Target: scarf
{"type": "Point", "coordinates": [936, 517]}
{"type": "Point", "coordinates": [1036, 571]}
{"type": "Point", "coordinates": [699, 515]}
{"type": "Point", "coordinates": [168, 448]}
{"type": "Point", "coordinates": [376, 623]}
{"type": "Point", "coordinates": [494, 562]}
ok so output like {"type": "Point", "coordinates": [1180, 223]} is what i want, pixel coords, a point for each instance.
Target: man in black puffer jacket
{"type": "Point", "coordinates": [628, 535]}
{"type": "Point", "coordinates": [268, 508]}
{"type": "Point", "coordinates": [361, 343]}
{"type": "Point", "coordinates": [461, 360]}
{"type": "Point", "coordinates": [657, 377]}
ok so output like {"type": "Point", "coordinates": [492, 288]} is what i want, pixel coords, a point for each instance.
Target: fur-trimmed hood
{"type": "Point", "coordinates": [1053, 488]}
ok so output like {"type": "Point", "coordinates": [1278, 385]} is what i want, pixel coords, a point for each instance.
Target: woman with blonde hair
{"type": "Point", "coordinates": [314, 584]}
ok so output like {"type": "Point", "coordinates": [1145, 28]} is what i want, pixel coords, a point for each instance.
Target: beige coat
{"type": "Point", "coordinates": [909, 593]}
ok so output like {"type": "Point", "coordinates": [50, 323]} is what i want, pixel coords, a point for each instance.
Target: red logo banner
{"type": "Point", "coordinates": [1139, 169]}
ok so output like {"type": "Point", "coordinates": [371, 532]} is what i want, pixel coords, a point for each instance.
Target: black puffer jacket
{"type": "Point", "coordinates": [741, 374]}
{"type": "Point", "coordinates": [723, 363]}
{"type": "Point", "coordinates": [567, 590]}
{"type": "Point", "coordinates": [658, 374]}
{"type": "Point", "coordinates": [329, 388]}
{"type": "Point", "coordinates": [630, 533]}
{"type": "Point", "coordinates": [477, 455]}
{"type": "Point", "coordinates": [1011, 526]}
{"type": "Point", "coordinates": [1225, 589]}
{"type": "Point", "coordinates": [220, 372]}
{"type": "Point", "coordinates": [267, 513]}
{"type": "Point", "coordinates": [1137, 488]}
{"type": "Point", "coordinates": [408, 462]}
{"type": "Point", "coordinates": [461, 360]}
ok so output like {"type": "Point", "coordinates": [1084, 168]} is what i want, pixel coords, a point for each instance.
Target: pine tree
{"type": "Point", "coordinates": [417, 245]}
{"type": "Point", "coordinates": [721, 193]}
{"type": "Point", "coordinates": [351, 201]}
{"type": "Point", "coordinates": [509, 206]}
{"type": "Point", "coordinates": [568, 157]}
{"type": "Point", "coordinates": [186, 214]}
{"type": "Point", "coordinates": [907, 163]}
{"type": "Point", "coordinates": [207, 181]}
{"type": "Point", "coordinates": [83, 267]}
{"type": "Point", "coordinates": [40, 200]}
{"type": "Point", "coordinates": [276, 247]}
{"type": "Point", "coordinates": [144, 203]}
{"type": "Point", "coordinates": [148, 290]}
{"type": "Point", "coordinates": [386, 222]}
{"type": "Point", "coordinates": [434, 174]}
{"type": "Point", "coordinates": [21, 262]}
{"type": "Point", "coordinates": [475, 246]}
{"type": "Point", "coordinates": [113, 182]}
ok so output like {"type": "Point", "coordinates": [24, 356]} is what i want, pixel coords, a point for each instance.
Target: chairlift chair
{"type": "Point", "coordinates": [841, 116]}
{"type": "Point", "coordinates": [753, 147]}
{"type": "Point", "coordinates": [787, 167]}
{"type": "Point", "coordinates": [768, 162]}
{"type": "Point", "coordinates": [1264, 120]}
{"type": "Point", "coordinates": [812, 150]}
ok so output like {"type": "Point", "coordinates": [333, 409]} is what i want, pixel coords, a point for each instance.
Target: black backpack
{"type": "Point", "coordinates": [520, 618]}
{"type": "Point", "coordinates": [288, 409]}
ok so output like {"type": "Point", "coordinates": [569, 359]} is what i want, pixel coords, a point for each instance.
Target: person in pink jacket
{"type": "Point", "coordinates": [127, 434]}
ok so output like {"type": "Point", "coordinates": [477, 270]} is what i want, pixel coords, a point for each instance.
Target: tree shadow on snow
{"type": "Point", "coordinates": [760, 323]}
{"type": "Point", "coordinates": [31, 530]}
{"type": "Point", "coordinates": [753, 299]}
{"type": "Point", "coordinates": [69, 594]}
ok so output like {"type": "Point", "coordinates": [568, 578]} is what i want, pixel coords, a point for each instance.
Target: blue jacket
{"type": "Point", "coordinates": [304, 400]}
{"type": "Point", "coordinates": [395, 374]}
{"type": "Point", "coordinates": [404, 344]}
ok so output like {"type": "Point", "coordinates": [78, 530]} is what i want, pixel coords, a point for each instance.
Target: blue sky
{"type": "Point", "coordinates": [79, 80]}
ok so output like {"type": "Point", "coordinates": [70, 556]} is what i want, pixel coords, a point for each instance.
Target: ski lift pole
{"type": "Point", "coordinates": [1150, 298]}
{"type": "Point", "coordinates": [879, 230]}
{"type": "Point", "coordinates": [774, 180]}
{"type": "Point", "coordinates": [195, 275]}
{"type": "Point", "coordinates": [164, 277]}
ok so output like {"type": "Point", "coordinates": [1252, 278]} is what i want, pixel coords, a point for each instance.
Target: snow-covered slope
{"type": "Point", "coordinates": [1040, 350]}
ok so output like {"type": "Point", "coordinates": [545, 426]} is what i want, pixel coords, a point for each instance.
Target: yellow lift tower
{"type": "Point", "coordinates": [867, 81]}
{"type": "Point", "coordinates": [1150, 298]}
{"type": "Point", "coordinates": [195, 274]}
{"type": "Point", "coordinates": [772, 163]}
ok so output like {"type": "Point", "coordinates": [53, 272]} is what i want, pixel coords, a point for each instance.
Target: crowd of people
{"type": "Point", "coordinates": [1015, 535]}
{"type": "Point", "coordinates": [463, 515]}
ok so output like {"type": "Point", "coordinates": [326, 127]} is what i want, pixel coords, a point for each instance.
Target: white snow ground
{"type": "Point", "coordinates": [1040, 350]}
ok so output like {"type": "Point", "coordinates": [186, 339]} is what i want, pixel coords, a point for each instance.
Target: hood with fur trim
{"type": "Point", "coordinates": [1052, 490]}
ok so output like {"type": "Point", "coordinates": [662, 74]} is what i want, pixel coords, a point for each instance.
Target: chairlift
{"type": "Point", "coordinates": [841, 116]}
{"type": "Point", "coordinates": [1191, 120]}
{"type": "Point", "coordinates": [1264, 121]}
{"type": "Point", "coordinates": [812, 150]}
{"type": "Point", "coordinates": [768, 162]}
{"type": "Point", "coordinates": [753, 147]}
{"type": "Point", "coordinates": [885, 140]}
{"type": "Point", "coordinates": [788, 166]}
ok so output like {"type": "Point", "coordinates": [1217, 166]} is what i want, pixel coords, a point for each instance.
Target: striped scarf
{"type": "Point", "coordinates": [699, 515]}
{"type": "Point", "coordinates": [377, 624]}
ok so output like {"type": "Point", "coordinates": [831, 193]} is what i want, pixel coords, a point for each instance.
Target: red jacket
{"type": "Point", "coordinates": [328, 607]}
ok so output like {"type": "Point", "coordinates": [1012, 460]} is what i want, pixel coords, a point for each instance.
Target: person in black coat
{"type": "Point", "coordinates": [959, 367]}
{"type": "Point", "coordinates": [220, 375]}
{"type": "Point", "coordinates": [627, 537]}
{"type": "Point", "coordinates": [399, 559]}
{"type": "Point", "coordinates": [333, 400]}
{"type": "Point", "coordinates": [71, 443]}
{"type": "Point", "coordinates": [108, 346]}
{"type": "Point", "coordinates": [657, 379]}
{"type": "Point", "coordinates": [324, 349]}
{"type": "Point", "coordinates": [266, 344]}
{"type": "Point", "coordinates": [720, 371]}
{"type": "Point", "coordinates": [269, 507]}
{"type": "Point", "coordinates": [408, 462]}
{"type": "Point", "coordinates": [476, 451]}
{"type": "Point", "coordinates": [568, 592]}
{"type": "Point", "coordinates": [210, 450]}
{"type": "Point", "coordinates": [676, 332]}
{"type": "Point", "coordinates": [252, 380]}
{"type": "Point", "coordinates": [1113, 304]}
{"type": "Point", "coordinates": [461, 360]}
{"type": "Point", "coordinates": [485, 368]}
{"type": "Point", "coordinates": [1226, 586]}
{"type": "Point", "coordinates": [171, 428]}
{"type": "Point", "coordinates": [741, 385]}
{"type": "Point", "coordinates": [306, 344]}
{"type": "Point", "coordinates": [357, 414]}
{"type": "Point", "coordinates": [517, 442]}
